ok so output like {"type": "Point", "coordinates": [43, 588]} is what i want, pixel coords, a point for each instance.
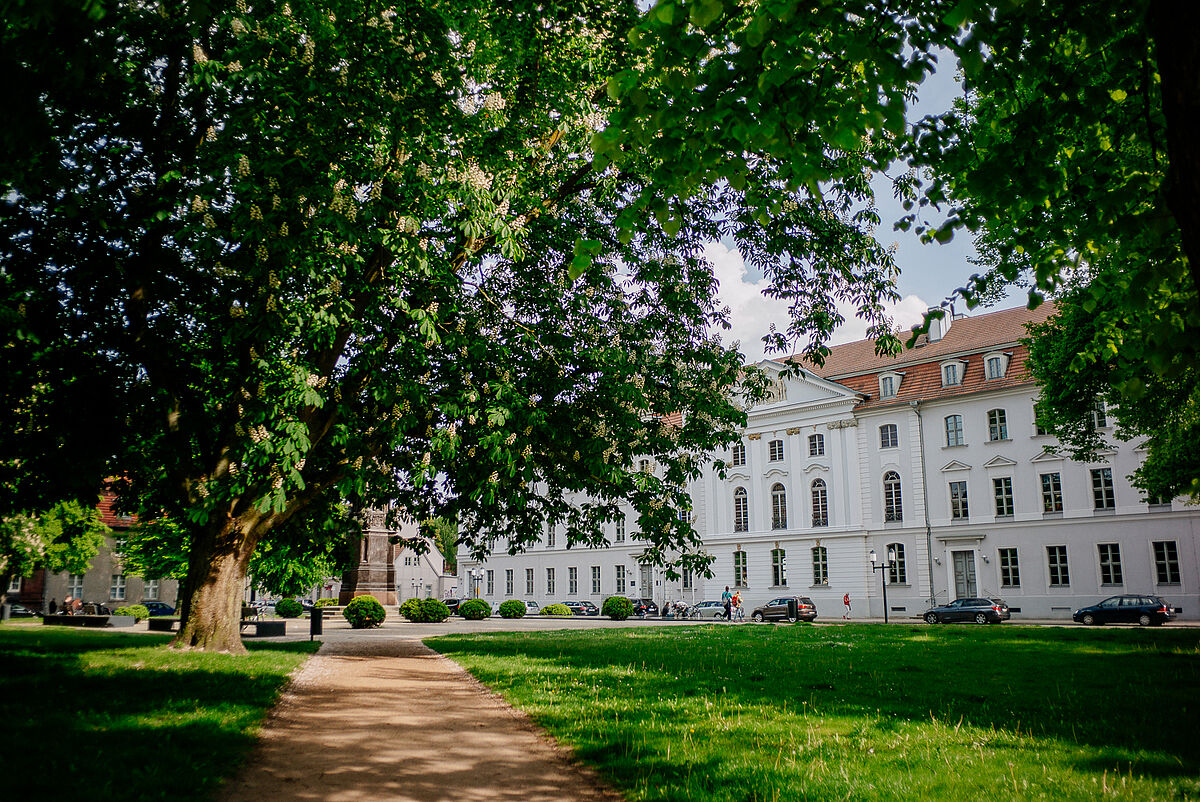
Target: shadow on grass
{"type": "Point", "coordinates": [95, 715]}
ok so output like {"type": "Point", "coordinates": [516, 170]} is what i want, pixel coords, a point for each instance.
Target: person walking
{"type": "Point", "coordinates": [846, 601]}
{"type": "Point", "coordinates": [727, 601]}
{"type": "Point", "coordinates": [738, 613]}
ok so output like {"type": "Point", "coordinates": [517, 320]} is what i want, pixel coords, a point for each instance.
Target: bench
{"type": "Point", "coordinates": [61, 620]}
{"type": "Point", "coordinates": [262, 629]}
{"type": "Point", "coordinates": [162, 623]}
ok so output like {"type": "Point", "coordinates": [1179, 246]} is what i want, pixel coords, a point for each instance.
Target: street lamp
{"type": "Point", "coordinates": [476, 575]}
{"type": "Point", "coordinates": [891, 563]}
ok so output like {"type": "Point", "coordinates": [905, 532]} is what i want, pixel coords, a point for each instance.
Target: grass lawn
{"type": "Point", "coordinates": [91, 715]}
{"type": "Point", "coordinates": [862, 711]}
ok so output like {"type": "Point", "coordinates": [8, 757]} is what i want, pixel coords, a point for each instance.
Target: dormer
{"type": "Point", "coordinates": [952, 372]}
{"type": "Point", "coordinates": [995, 364]}
{"type": "Point", "coordinates": [889, 383]}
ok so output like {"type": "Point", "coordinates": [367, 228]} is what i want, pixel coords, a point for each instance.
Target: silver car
{"type": "Point", "coordinates": [708, 609]}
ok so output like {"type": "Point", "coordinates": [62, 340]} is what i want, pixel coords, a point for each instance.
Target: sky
{"type": "Point", "coordinates": [928, 273]}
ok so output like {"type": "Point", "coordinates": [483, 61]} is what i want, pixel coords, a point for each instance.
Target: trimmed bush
{"type": "Point", "coordinates": [364, 612]}
{"type": "Point", "coordinates": [618, 608]}
{"type": "Point", "coordinates": [474, 609]}
{"type": "Point", "coordinates": [557, 609]}
{"type": "Point", "coordinates": [410, 609]}
{"type": "Point", "coordinates": [288, 608]}
{"type": "Point", "coordinates": [512, 609]}
{"type": "Point", "coordinates": [424, 611]}
{"type": "Point", "coordinates": [139, 611]}
{"type": "Point", "coordinates": [326, 603]}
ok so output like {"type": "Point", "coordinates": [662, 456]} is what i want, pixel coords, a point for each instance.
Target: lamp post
{"type": "Point", "coordinates": [891, 562]}
{"type": "Point", "coordinates": [476, 575]}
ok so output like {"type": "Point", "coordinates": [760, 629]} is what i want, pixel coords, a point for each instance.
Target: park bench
{"type": "Point", "coordinates": [262, 629]}
{"type": "Point", "coordinates": [61, 620]}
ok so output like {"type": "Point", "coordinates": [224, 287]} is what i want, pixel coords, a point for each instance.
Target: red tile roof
{"type": "Point", "coordinates": [110, 518]}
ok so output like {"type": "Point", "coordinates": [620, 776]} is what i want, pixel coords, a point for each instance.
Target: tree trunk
{"type": "Point", "coordinates": [212, 604]}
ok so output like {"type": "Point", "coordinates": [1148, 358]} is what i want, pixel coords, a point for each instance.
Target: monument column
{"type": "Point", "coordinates": [375, 574]}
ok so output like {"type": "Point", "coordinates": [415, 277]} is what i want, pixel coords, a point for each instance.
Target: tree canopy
{"type": "Point", "coordinates": [64, 538]}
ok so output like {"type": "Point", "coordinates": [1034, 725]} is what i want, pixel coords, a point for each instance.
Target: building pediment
{"type": "Point", "coordinates": [1000, 461]}
{"type": "Point", "coordinates": [1047, 456]}
{"type": "Point", "coordinates": [955, 465]}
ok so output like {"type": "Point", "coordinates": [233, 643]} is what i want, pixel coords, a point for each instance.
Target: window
{"type": "Point", "coordinates": [778, 567]}
{"type": "Point", "coordinates": [1103, 493]}
{"type": "Point", "coordinates": [572, 580]}
{"type": "Point", "coordinates": [595, 579]}
{"type": "Point", "coordinates": [1056, 560]}
{"type": "Point", "coordinates": [491, 582]}
{"type": "Point", "coordinates": [816, 445]}
{"type": "Point", "coordinates": [644, 466]}
{"type": "Point", "coordinates": [1110, 564]}
{"type": "Point", "coordinates": [550, 537]}
{"type": "Point", "coordinates": [954, 430]}
{"type": "Point", "coordinates": [116, 588]}
{"type": "Point", "coordinates": [1052, 498]}
{"type": "Point", "coordinates": [14, 585]}
{"type": "Point", "coordinates": [1010, 571]}
{"type": "Point", "coordinates": [778, 507]}
{"type": "Point", "coordinates": [620, 535]}
{"type": "Point", "coordinates": [995, 367]}
{"type": "Point", "coordinates": [508, 582]}
{"type": "Point", "coordinates": [887, 386]}
{"type": "Point", "coordinates": [741, 510]}
{"type": "Point", "coordinates": [687, 579]}
{"type": "Point", "coordinates": [739, 568]}
{"type": "Point", "coordinates": [528, 581]}
{"type": "Point", "coordinates": [1039, 428]}
{"type": "Point", "coordinates": [150, 590]}
{"type": "Point", "coordinates": [549, 581]}
{"type": "Point", "coordinates": [958, 501]}
{"type": "Point", "coordinates": [738, 457]}
{"type": "Point", "coordinates": [75, 585]}
{"type": "Point", "coordinates": [1166, 562]}
{"type": "Point", "coordinates": [820, 503]}
{"type": "Point", "coordinates": [820, 560]}
{"type": "Point", "coordinates": [775, 447]}
{"type": "Point", "coordinates": [950, 375]}
{"type": "Point", "coordinates": [1099, 416]}
{"type": "Point", "coordinates": [893, 509]}
{"type": "Point", "coordinates": [898, 571]}
{"type": "Point", "coordinates": [1002, 489]}
{"type": "Point", "coordinates": [620, 572]}
{"type": "Point", "coordinates": [997, 425]}
{"type": "Point", "coordinates": [887, 436]}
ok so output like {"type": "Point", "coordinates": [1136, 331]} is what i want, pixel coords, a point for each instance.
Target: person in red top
{"type": "Point", "coordinates": [846, 601]}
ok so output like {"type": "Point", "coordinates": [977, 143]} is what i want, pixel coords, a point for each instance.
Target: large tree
{"type": "Point", "coordinates": [351, 252]}
{"type": "Point", "coordinates": [64, 538]}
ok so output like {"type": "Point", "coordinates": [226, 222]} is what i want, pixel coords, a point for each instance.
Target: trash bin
{"type": "Point", "coordinates": [793, 610]}
{"type": "Point", "coordinates": [316, 620]}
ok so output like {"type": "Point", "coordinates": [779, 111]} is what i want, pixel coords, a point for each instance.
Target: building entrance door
{"type": "Point", "coordinates": [647, 580]}
{"type": "Point", "coordinates": [964, 574]}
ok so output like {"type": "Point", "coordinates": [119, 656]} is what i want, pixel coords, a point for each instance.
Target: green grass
{"type": "Point", "coordinates": [101, 715]}
{"type": "Point", "coordinates": [862, 711]}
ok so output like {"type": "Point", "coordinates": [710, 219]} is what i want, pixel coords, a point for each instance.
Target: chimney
{"type": "Point", "coordinates": [938, 326]}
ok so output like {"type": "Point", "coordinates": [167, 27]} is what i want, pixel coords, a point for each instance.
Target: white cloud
{"type": "Point", "coordinates": [752, 313]}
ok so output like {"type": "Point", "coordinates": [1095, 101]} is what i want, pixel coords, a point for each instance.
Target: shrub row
{"type": "Point", "coordinates": [139, 611]}
{"type": "Point", "coordinates": [425, 611]}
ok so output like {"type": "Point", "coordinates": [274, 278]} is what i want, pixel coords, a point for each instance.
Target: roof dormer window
{"type": "Point", "coordinates": [995, 365]}
{"type": "Point", "coordinates": [952, 372]}
{"type": "Point", "coordinates": [889, 384]}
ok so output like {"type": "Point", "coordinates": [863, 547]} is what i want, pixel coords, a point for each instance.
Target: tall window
{"type": "Point", "coordinates": [1039, 427]}
{"type": "Point", "coordinates": [820, 503]}
{"type": "Point", "coordinates": [620, 572]}
{"type": "Point", "coordinates": [816, 445]}
{"type": "Point", "coordinates": [887, 436]}
{"type": "Point", "coordinates": [1002, 490]}
{"type": "Point", "coordinates": [893, 508]}
{"type": "Point", "coordinates": [997, 424]}
{"type": "Point", "coordinates": [14, 585]}
{"type": "Point", "coordinates": [549, 581]}
{"type": "Point", "coordinates": [887, 387]}
{"type": "Point", "coordinates": [738, 457]}
{"type": "Point", "coordinates": [528, 581]}
{"type": "Point", "coordinates": [958, 501]}
{"type": "Point", "coordinates": [1103, 493]}
{"type": "Point", "coordinates": [775, 447]}
{"type": "Point", "coordinates": [687, 579]}
{"type": "Point", "coordinates": [1099, 415]}
{"type": "Point", "coordinates": [150, 590]}
{"type": "Point", "coordinates": [620, 535]}
{"type": "Point", "coordinates": [1056, 562]}
{"type": "Point", "coordinates": [778, 567]}
{"type": "Point", "coordinates": [1052, 498]}
{"type": "Point", "coordinates": [740, 571]}
{"type": "Point", "coordinates": [1166, 562]}
{"type": "Point", "coordinates": [1010, 571]}
{"type": "Point", "coordinates": [954, 430]}
{"type": "Point", "coordinates": [572, 580]}
{"type": "Point", "coordinates": [820, 561]}
{"type": "Point", "coordinates": [644, 466]}
{"type": "Point", "coordinates": [778, 507]}
{"type": "Point", "coordinates": [1110, 564]}
{"type": "Point", "coordinates": [550, 537]}
{"type": "Point", "coordinates": [491, 582]}
{"type": "Point", "coordinates": [116, 589]}
{"type": "Point", "coordinates": [508, 582]}
{"type": "Point", "coordinates": [595, 579]}
{"type": "Point", "coordinates": [950, 375]}
{"type": "Point", "coordinates": [741, 510]}
{"type": "Point", "coordinates": [995, 367]}
{"type": "Point", "coordinates": [75, 585]}
{"type": "Point", "coordinates": [898, 572]}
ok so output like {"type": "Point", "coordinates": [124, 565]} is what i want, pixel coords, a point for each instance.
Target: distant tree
{"type": "Point", "coordinates": [65, 538]}
{"type": "Point", "coordinates": [445, 534]}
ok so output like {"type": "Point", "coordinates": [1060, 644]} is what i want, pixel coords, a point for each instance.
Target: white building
{"type": "Point", "coordinates": [933, 456]}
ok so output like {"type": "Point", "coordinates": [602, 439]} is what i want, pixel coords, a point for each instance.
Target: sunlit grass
{"type": "Point", "coordinates": [862, 711]}
{"type": "Point", "coordinates": [101, 715]}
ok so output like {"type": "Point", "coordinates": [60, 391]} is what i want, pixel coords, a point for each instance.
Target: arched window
{"type": "Point", "coordinates": [893, 508]}
{"type": "Point", "coordinates": [738, 457]}
{"type": "Point", "coordinates": [778, 507]}
{"type": "Point", "coordinates": [741, 511]}
{"type": "Point", "coordinates": [897, 573]}
{"type": "Point", "coordinates": [820, 503]}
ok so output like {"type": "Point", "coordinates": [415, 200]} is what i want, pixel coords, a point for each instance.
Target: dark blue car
{"type": "Point", "coordinates": [1148, 611]}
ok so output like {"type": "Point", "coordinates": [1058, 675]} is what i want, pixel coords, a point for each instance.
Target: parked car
{"type": "Point", "coordinates": [532, 608]}
{"type": "Point", "coordinates": [1128, 609]}
{"type": "Point", "coordinates": [644, 607]}
{"type": "Point", "coordinates": [777, 609]}
{"type": "Point", "coordinates": [453, 604]}
{"type": "Point", "coordinates": [17, 610]}
{"type": "Point", "coordinates": [158, 608]}
{"type": "Point", "coordinates": [708, 608]}
{"type": "Point", "coordinates": [582, 607]}
{"type": "Point", "coordinates": [981, 611]}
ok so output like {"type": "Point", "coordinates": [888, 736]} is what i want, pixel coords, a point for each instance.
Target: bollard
{"type": "Point", "coordinates": [793, 610]}
{"type": "Point", "coordinates": [315, 622]}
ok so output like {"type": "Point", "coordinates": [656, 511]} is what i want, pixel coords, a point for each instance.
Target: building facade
{"type": "Point", "coordinates": [933, 458]}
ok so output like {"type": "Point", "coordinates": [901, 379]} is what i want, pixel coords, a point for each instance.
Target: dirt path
{"type": "Point", "coordinates": [393, 720]}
